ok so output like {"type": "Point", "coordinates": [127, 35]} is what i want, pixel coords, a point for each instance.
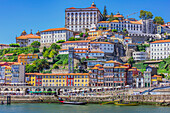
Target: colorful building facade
{"type": "Point", "coordinates": [63, 79]}
{"type": "Point", "coordinates": [25, 59]}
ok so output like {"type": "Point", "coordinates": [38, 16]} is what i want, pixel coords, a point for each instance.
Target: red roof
{"type": "Point", "coordinates": [71, 8]}
{"type": "Point", "coordinates": [161, 41]}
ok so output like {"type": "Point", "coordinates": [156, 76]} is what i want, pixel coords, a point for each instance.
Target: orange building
{"type": "Point", "coordinates": [27, 58]}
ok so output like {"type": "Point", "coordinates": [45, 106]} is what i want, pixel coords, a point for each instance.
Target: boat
{"type": "Point", "coordinates": [72, 103]}
{"type": "Point", "coordinates": [126, 104]}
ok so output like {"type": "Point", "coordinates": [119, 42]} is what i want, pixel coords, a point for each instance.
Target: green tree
{"type": "Point", "coordinates": [131, 61]}
{"type": "Point", "coordinates": [124, 30]}
{"type": "Point", "coordinates": [14, 45]}
{"type": "Point", "coordinates": [55, 66]}
{"type": "Point", "coordinates": [115, 18]}
{"type": "Point", "coordinates": [52, 54]}
{"type": "Point", "coordinates": [158, 20]}
{"type": "Point", "coordinates": [60, 41]}
{"type": "Point", "coordinates": [71, 39]}
{"type": "Point", "coordinates": [86, 34]}
{"type": "Point", "coordinates": [44, 49]}
{"type": "Point", "coordinates": [54, 46]}
{"type": "Point", "coordinates": [111, 17]}
{"type": "Point", "coordinates": [30, 68]}
{"type": "Point", "coordinates": [35, 44]}
{"type": "Point", "coordinates": [41, 64]}
{"type": "Point", "coordinates": [81, 34]}
{"type": "Point", "coordinates": [104, 14]}
{"type": "Point", "coordinates": [114, 30]}
{"type": "Point", "coordinates": [100, 28]}
{"type": "Point", "coordinates": [45, 55]}
{"type": "Point", "coordinates": [145, 15]}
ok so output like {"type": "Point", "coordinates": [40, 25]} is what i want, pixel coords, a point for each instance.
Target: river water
{"type": "Point", "coordinates": [89, 108]}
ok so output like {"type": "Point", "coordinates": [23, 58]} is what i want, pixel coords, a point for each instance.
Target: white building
{"type": "Point", "coordinates": [55, 34]}
{"type": "Point", "coordinates": [133, 27]}
{"type": "Point", "coordinates": [85, 48]}
{"type": "Point", "coordinates": [26, 39]}
{"type": "Point", "coordinates": [77, 19]}
{"type": "Point", "coordinates": [138, 56]}
{"type": "Point", "coordinates": [159, 49]}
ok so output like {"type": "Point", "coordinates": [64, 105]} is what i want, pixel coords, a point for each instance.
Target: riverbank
{"type": "Point", "coordinates": [161, 100]}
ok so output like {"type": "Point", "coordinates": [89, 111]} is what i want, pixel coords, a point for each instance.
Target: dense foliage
{"type": "Point", "coordinates": [35, 44]}
{"type": "Point", "coordinates": [142, 47]}
{"type": "Point", "coordinates": [60, 41]}
{"type": "Point", "coordinates": [145, 15]}
{"type": "Point", "coordinates": [14, 45]}
{"type": "Point", "coordinates": [158, 20]}
{"type": "Point", "coordinates": [16, 51]}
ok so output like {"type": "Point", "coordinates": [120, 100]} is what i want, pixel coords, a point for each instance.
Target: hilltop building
{"type": "Point", "coordinates": [159, 49]}
{"type": "Point", "coordinates": [55, 34]}
{"type": "Point", "coordinates": [78, 19]}
{"type": "Point", "coordinates": [25, 59]}
{"type": "Point", "coordinates": [26, 39]}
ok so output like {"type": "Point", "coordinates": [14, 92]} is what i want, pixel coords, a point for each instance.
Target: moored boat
{"type": "Point", "coordinates": [126, 104]}
{"type": "Point", "coordinates": [72, 103]}
{"type": "Point", "coordinates": [75, 103]}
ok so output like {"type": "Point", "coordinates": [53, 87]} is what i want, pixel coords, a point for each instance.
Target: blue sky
{"type": "Point", "coordinates": [19, 15]}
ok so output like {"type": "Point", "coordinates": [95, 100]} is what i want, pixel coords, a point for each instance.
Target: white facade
{"type": "Point", "coordinates": [31, 40]}
{"type": "Point", "coordinates": [131, 26]}
{"type": "Point", "coordinates": [87, 48]}
{"type": "Point", "coordinates": [138, 56]}
{"type": "Point", "coordinates": [160, 49]}
{"type": "Point", "coordinates": [77, 19]}
{"type": "Point", "coordinates": [56, 34]}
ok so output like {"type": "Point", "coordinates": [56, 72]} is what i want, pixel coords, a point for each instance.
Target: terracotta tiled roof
{"type": "Point", "coordinates": [156, 76]}
{"type": "Point", "coordinates": [119, 16]}
{"type": "Point", "coordinates": [126, 64]}
{"type": "Point", "coordinates": [81, 41]}
{"type": "Point", "coordinates": [91, 38]}
{"type": "Point", "coordinates": [56, 29]}
{"type": "Point", "coordinates": [100, 43]}
{"type": "Point", "coordinates": [121, 67]}
{"type": "Point", "coordinates": [135, 22]}
{"type": "Point", "coordinates": [94, 68]}
{"type": "Point", "coordinates": [98, 65]}
{"type": "Point", "coordinates": [71, 8]}
{"type": "Point", "coordinates": [96, 52]}
{"type": "Point", "coordinates": [127, 38]}
{"type": "Point", "coordinates": [104, 22]}
{"type": "Point", "coordinates": [161, 41]}
{"type": "Point", "coordinates": [56, 73]}
{"type": "Point", "coordinates": [92, 7]}
{"type": "Point", "coordinates": [115, 21]}
{"type": "Point", "coordinates": [28, 36]}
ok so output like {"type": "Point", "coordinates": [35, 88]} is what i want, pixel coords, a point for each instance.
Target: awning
{"type": "Point", "coordinates": [11, 91]}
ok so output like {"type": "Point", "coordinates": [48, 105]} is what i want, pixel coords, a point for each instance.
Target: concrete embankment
{"type": "Point", "coordinates": [142, 99]}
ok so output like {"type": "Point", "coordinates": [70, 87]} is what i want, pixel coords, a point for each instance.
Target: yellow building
{"type": "Point", "coordinates": [156, 79]}
{"type": "Point", "coordinates": [27, 58]}
{"type": "Point", "coordinates": [8, 74]}
{"type": "Point", "coordinates": [63, 79]}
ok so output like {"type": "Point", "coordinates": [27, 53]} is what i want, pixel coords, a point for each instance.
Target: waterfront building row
{"type": "Point", "coordinates": [60, 79]}
{"type": "Point", "coordinates": [12, 73]}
